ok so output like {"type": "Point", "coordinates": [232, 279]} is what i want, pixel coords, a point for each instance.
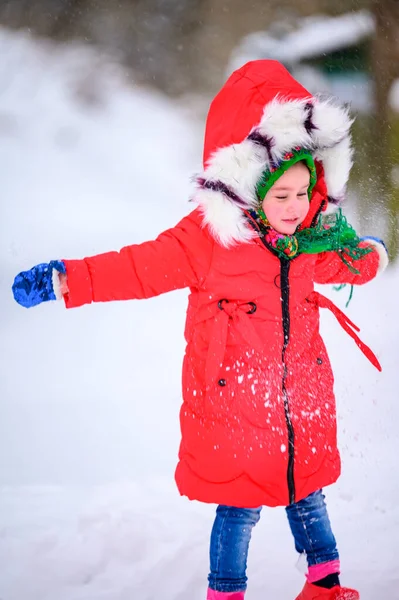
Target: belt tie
{"type": "Point", "coordinates": [233, 314]}
{"type": "Point", "coordinates": [323, 302]}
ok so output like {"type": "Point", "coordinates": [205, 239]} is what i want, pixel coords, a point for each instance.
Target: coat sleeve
{"type": "Point", "coordinates": [178, 258]}
{"type": "Point", "coordinates": [330, 268]}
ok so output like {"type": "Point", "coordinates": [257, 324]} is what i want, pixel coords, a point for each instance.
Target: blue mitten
{"type": "Point", "coordinates": [371, 239]}
{"type": "Point", "coordinates": [36, 285]}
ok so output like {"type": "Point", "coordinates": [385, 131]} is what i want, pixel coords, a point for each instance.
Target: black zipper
{"type": "Point", "coordinates": [285, 294]}
{"type": "Point", "coordinates": [285, 309]}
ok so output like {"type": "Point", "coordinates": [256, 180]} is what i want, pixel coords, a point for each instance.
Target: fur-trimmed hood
{"type": "Point", "coordinates": [261, 113]}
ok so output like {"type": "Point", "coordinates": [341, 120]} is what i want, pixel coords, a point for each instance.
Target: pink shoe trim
{"type": "Point", "coordinates": [317, 572]}
{"type": "Point", "coordinates": [214, 595]}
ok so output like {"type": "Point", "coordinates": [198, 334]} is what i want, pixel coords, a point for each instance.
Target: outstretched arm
{"type": "Point", "coordinates": [178, 258]}
{"type": "Point", "coordinates": [331, 269]}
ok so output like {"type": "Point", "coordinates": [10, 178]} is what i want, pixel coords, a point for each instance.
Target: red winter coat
{"type": "Point", "coordinates": [258, 418]}
{"type": "Point", "coordinates": [235, 426]}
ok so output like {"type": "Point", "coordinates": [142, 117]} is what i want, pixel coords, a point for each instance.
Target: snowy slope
{"type": "Point", "coordinates": [90, 397]}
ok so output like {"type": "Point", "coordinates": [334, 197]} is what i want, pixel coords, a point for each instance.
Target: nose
{"type": "Point", "coordinates": [292, 205]}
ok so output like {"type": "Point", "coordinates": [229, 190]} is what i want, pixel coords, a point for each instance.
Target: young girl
{"type": "Point", "coordinates": [258, 418]}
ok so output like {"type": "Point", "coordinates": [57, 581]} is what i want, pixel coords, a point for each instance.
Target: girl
{"type": "Point", "coordinates": [258, 418]}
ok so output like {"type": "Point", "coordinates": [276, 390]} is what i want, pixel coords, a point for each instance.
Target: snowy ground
{"type": "Point", "coordinates": [90, 397]}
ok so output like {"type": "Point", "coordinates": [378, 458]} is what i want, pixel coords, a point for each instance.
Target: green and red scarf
{"type": "Point", "coordinates": [331, 233]}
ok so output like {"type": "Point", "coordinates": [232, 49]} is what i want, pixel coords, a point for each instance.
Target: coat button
{"type": "Point", "coordinates": [319, 361]}
{"type": "Point", "coordinates": [222, 382]}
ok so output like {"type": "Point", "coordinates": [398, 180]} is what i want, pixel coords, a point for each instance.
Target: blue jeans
{"type": "Point", "coordinates": [231, 534]}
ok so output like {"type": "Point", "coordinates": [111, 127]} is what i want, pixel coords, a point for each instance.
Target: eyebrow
{"type": "Point", "coordinates": [285, 189]}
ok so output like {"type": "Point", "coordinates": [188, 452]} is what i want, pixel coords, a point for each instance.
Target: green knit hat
{"type": "Point", "coordinates": [271, 175]}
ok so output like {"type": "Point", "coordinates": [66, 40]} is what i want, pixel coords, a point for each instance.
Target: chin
{"type": "Point", "coordinates": [288, 229]}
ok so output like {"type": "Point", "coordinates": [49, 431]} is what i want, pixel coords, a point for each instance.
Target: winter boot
{"type": "Point", "coordinates": [314, 592]}
{"type": "Point", "coordinates": [214, 595]}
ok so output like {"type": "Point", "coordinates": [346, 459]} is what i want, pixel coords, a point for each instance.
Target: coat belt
{"type": "Point", "coordinates": [346, 324]}
{"type": "Point", "coordinates": [236, 314]}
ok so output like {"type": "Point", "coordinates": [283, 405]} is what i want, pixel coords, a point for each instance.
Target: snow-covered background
{"type": "Point", "coordinates": [90, 397]}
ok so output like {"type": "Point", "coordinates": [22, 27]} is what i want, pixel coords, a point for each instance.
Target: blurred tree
{"type": "Point", "coordinates": [384, 135]}
{"type": "Point", "coordinates": [176, 45]}
{"type": "Point", "coordinates": [225, 23]}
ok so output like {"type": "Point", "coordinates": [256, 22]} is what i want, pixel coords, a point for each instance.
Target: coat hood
{"type": "Point", "coordinates": [261, 113]}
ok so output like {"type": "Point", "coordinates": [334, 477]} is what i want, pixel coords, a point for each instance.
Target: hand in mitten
{"type": "Point", "coordinates": [373, 240]}
{"type": "Point", "coordinates": [378, 245]}
{"type": "Point", "coordinates": [39, 284]}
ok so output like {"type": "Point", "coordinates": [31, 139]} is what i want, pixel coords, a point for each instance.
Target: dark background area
{"type": "Point", "coordinates": [185, 47]}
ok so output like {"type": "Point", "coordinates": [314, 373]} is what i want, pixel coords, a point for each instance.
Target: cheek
{"type": "Point", "coordinates": [274, 211]}
{"type": "Point", "coordinates": [304, 209]}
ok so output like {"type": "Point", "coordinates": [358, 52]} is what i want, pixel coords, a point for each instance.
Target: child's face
{"type": "Point", "coordinates": [286, 204]}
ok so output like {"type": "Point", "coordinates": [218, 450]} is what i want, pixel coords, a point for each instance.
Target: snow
{"type": "Point", "coordinates": [314, 36]}
{"type": "Point", "coordinates": [90, 397]}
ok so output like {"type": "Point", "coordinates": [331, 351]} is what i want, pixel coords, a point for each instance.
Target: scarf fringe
{"type": "Point", "coordinates": [332, 233]}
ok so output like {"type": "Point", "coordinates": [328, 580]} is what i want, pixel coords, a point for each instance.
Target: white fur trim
{"type": "Point", "coordinates": [337, 163]}
{"type": "Point", "coordinates": [224, 218]}
{"type": "Point", "coordinates": [333, 144]}
{"type": "Point", "coordinates": [332, 122]}
{"type": "Point", "coordinates": [284, 121]}
{"type": "Point", "coordinates": [240, 166]}
{"type": "Point", "coordinates": [56, 284]}
{"type": "Point", "coordinates": [382, 253]}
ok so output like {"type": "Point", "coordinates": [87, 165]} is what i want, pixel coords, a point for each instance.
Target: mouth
{"type": "Point", "coordinates": [291, 221]}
